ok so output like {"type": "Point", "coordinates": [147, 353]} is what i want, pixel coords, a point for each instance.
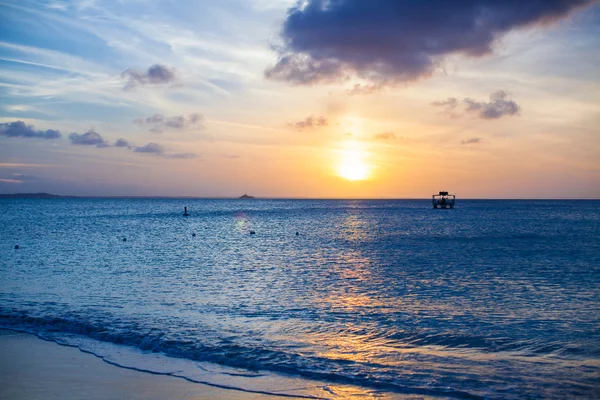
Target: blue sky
{"type": "Point", "coordinates": [210, 120]}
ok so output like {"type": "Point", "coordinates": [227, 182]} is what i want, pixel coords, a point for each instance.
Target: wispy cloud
{"type": "Point", "coordinates": [159, 122]}
{"type": "Point", "coordinates": [474, 140]}
{"type": "Point", "coordinates": [17, 178]}
{"type": "Point", "coordinates": [27, 165]}
{"type": "Point", "coordinates": [385, 136]}
{"type": "Point", "coordinates": [310, 123]}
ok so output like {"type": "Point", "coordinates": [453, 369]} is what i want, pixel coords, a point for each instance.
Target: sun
{"type": "Point", "coordinates": [353, 165]}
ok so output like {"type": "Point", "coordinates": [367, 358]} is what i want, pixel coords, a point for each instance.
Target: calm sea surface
{"type": "Point", "coordinates": [494, 299]}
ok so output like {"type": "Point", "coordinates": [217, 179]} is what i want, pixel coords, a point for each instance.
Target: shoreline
{"type": "Point", "coordinates": [35, 368]}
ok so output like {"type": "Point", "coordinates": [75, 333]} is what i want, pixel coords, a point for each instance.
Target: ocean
{"type": "Point", "coordinates": [390, 298]}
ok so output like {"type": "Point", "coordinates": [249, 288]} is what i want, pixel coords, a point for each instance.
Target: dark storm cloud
{"type": "Point", "coordinates": [390, 41]}
{"type": "Point", "coordinates": [90, 138]}
{"type": "Point", "coordinates": [498, 106]}
{"type": "Point", "coordinates": [474, 140]}
{"type": "Point", "coordinates": [158, 122]}
{"type": "Point", "coordinates": [20, 129]}
{"type": "Point", "coordinates": [154, 75]}
{"type": "Point", "coordinates": [385, 136]}
{"type": "Point", "coordinates": [310, 123]}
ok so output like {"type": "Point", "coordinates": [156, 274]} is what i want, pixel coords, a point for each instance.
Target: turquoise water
{"type": "Point", "coordinates": [493, 299]}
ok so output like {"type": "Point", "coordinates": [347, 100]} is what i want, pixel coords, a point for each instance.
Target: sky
{"type": "Point", "coordinates": [309, 99]}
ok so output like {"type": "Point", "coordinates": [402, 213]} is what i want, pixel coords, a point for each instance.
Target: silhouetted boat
{"type": "Point", "coordinates": [443, 200]}
{"type": "Point", "coordinates": [245, 196]}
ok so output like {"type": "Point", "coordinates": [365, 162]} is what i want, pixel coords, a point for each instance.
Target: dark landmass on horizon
{"type": "Point", "coordinates": [33, 196]}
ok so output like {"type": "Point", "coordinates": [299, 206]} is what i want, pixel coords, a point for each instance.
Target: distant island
{"type": "Point", "coordinates": [245, 196]}
{"type": "Point", "coordinates": [32, 196]}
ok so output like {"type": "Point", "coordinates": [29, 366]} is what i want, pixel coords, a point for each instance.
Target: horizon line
{"type": "Point", "coordinates": [43, 195]}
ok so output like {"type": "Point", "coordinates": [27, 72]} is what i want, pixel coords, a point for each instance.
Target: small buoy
{"type": "Point", "coordinates": [16, 247]}
{"type": "Point", "coordinates": [124, 239]}
{"type": "Point", "coordinates": [252, 233]}
{"type": "Point", "coordinates": [193, 235]}
{"type": "Point", "coordinates": [297, 234]}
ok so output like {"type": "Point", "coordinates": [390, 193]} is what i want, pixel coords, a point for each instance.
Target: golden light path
{"type": "Point", "coordinates": [353, 164]}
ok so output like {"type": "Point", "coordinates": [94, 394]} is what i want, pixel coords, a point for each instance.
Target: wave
{"type": "Point", "coordinates": [250, 360]}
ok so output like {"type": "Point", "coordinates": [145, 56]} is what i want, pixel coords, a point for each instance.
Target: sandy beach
{"type": "Point", "coordinates": [31, 368]}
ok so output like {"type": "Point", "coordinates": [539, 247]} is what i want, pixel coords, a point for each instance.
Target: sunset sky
{"type": "Point", "coordinates": [336, 99]}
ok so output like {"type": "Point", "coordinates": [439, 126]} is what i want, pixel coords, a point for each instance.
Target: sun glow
{"type": "Point", "coordinates": [353, 165]}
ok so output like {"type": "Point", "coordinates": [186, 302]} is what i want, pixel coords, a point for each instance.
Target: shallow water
{"type": "Point", "coordinates": [496, 299]}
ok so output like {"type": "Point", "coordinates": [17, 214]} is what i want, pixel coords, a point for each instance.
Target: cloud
{"type": "Point", "coordinates": [385, 136]}
{"type": "Point", "coordinates": [183, 156]}
{"type": "Point", "coordinates": [450, 103]}
{"type": "Point", "coordinates": [6, 180]}
{"type": "Point", "coordinates": [17, 178]}
{"type": "Point", "coordinates": [474, 140]}
{"type": "Point", "coordinates": [122, 143]}
{"type": "Point", "coordinates": [152, 148]}
{"type": "Point", "coordinates": [90, 138]}
{"type": "Point", "coordinates": [158, 122]}
{"type": "Point", "coordinates": [390, 41]}
{"type": "Point", "coordinates": [20, 129]}
{"type": "Point", "coordinates": [154, 75]}
{"type": "Point", "coordinates": [157, 149]}
{"type": "Point", "coordinates": [498, 106]}
{"type": "Point", "coordinates": [310, 123]}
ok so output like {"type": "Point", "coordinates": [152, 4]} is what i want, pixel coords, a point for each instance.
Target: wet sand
{"type": "Point", "coordinates": [31, 368]}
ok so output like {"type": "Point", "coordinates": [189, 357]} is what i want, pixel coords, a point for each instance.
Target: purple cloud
{"type": "Point", "coordinates": [498, 106]}
{"type": "Point", "coordinates": [151, 148]}
{"type": "Point", "coordinates": [158, 122]}
{"type": "Point", "coordinates": [390, 41]}
{"type": "Point", "coordinates": [20, 129]}
{"type": "Point", "coordinates": [183, 156]}
{"type": "Point", "coordinates": [122, 143]}
{"type": "Point", "coordinates": [154, 75]}
{"type": "Point", "coordinates": [157, 149]}
{"type": "Point", "coordinates": [90, 138]}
